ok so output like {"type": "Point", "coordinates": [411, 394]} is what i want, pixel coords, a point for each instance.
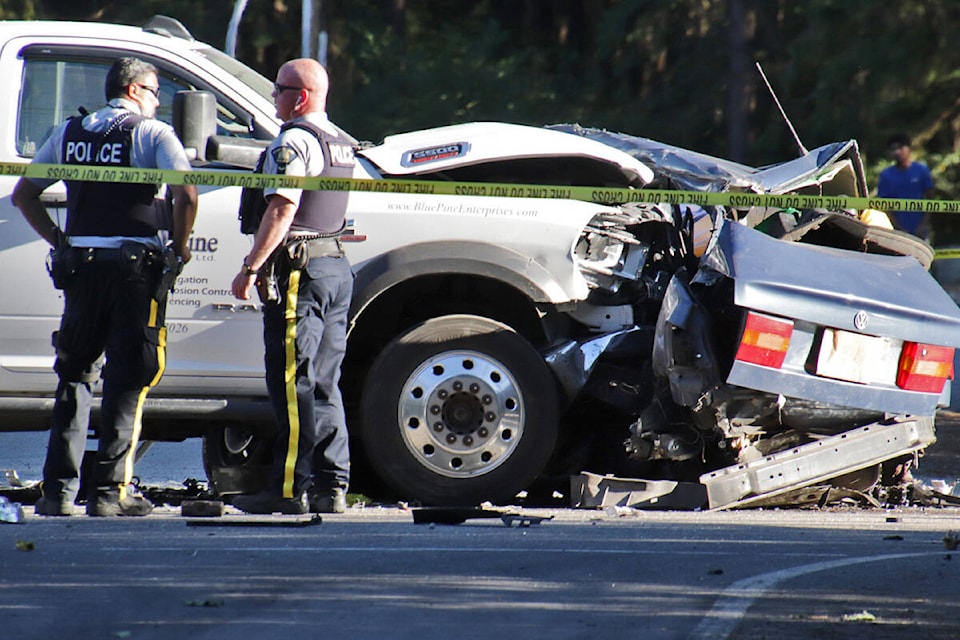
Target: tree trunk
{"type": "Point", "coordinates": [737, 80]}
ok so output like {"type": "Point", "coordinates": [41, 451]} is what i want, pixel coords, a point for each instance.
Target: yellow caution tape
{"type": "Point", "coordinates": [589, 194]}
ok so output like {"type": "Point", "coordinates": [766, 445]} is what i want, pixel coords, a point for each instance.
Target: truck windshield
{"type": "Point", "coordinates": [242, 72]}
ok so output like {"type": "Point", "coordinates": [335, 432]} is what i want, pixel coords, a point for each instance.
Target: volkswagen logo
{"type": "Point", "coordinates": [860, 320]}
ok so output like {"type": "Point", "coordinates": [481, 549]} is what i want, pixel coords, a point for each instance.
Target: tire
{"type": "Point", "coordinates": [457, 411]}
{"type": "Point", "coordinates": [236, 458]}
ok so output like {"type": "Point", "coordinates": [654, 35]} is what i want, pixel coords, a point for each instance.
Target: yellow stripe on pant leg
{"type": "Point", "coordinates": [138, 414]}
{"type": "Point", "coordinates": [290, 381]}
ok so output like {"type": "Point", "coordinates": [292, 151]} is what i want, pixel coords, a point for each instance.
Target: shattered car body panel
{"type": "Point", "coordinates": [848, 304]}
{"type": "Point", "coordinates": [832, 169]}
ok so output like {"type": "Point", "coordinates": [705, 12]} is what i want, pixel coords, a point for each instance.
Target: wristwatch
{"type": "Point", "coordinates": [247, 271]}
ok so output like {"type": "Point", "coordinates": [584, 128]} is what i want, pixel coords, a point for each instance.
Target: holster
{"type": "Point", "coordinates": [299, 251]}
{"type": "Point", "coordinates": [62, 265]}
{"type": "Point", "coordinates": [170, 267]}
{"type": "Point", "coordinates": [267, 287]}
{"type": "Point", "coordinates": [292, 255]}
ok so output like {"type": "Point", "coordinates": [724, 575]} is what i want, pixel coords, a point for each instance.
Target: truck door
{"type": "Point", "coordinates": [214, 340]}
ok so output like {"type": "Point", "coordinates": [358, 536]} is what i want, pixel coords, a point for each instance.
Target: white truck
{"type": "Point", "coordinates": [500, 338]}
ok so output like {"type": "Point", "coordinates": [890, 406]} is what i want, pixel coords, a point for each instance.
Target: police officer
{"type": "Point", "coordinates": [110, 264]}
{"type": "Point", "coordinates": [305, 330]}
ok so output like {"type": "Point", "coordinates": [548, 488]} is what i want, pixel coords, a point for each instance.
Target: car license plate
{"type": "Point", "coordinates": [858, 358]}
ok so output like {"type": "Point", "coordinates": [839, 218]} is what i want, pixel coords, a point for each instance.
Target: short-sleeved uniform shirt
{"type": "Point", "coordinates": [154, 145]}
{"type": "Point", "coordinates": [297, 152]}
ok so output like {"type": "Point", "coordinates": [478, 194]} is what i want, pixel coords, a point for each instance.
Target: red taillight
{"type": "Point", "coordinates": [765, 340]}
{"type": "Point", "coordinates": [924, 367]}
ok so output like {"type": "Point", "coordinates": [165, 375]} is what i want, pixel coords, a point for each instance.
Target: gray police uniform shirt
{"type": "Point", "coordinates": [297, 152]}
{"type": "Point", "coordinates": [153, 145]}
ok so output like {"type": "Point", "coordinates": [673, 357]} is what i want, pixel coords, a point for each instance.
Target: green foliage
{"type": "Point", "coordinates": [680, 71]}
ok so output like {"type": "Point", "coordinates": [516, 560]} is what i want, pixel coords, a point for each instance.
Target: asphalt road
{"type": "Point", "coordinates": [372, 573]}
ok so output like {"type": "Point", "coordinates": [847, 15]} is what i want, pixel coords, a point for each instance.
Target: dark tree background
{"type": "Point", "coordinates": [681, 71]}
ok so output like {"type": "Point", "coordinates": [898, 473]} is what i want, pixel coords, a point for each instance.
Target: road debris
{"type": "Point", "coordinates": [860, 616]}
{"type": "Point", "coordinates": [523, 521]}
{"type": "Point", "coordinates": [588, 490]}
{"type": "Point", "coordinates": [25, 545]}
{"type": "Point", "coordinates": [10, 478]}
{"type": "Point", "coordinates": [452, 515]}
{"type": "Point", "coordinates": [10, 512]}
{"type": "Point", "coordinates": [951, 540]}
{"type": "Point", "coordinates": [230, 521]}
{"type": "Point", "coordinates": [202, 508]}
{"type": "Point", "coordinates": [459, 515]}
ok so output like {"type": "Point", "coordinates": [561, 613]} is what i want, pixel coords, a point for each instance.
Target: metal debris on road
{"type": "Point", "coordinates": [523, 521]}
{"type": "Point", "coordinates": [229, 521]}
{"type": "Point", "coordinates": [10, 478]}
{"type": "Point", "coordinates": [452, 515]}
{"type": "Point", "coordinates": [459, 515]}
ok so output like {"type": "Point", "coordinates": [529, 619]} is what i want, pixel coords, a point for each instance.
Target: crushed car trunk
{"type": "Point", "coordinates": [803, 347]}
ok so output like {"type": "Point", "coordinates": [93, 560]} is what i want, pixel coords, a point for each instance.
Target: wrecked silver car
{"type": "Point", "coordinates": [789, 347]}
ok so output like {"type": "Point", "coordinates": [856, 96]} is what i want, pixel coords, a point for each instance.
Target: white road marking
{"type": "Point", "coordinates": [458, 550]}
{"type": "Point", "coordinates": [733, 603]}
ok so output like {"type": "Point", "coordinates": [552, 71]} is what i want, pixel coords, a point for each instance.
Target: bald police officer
{"type": "Point", "coordinates": [305, 329]}
{"type": "Point", "coordinates": [110, 262]}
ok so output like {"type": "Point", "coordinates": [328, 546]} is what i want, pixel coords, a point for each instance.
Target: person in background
{"type": "Point", "coordinates": [906, 179]}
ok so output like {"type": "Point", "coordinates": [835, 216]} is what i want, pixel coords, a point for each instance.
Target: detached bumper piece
{"type": "Point", "coordinates": [589, 490]}
{"type": "Point", "coordinates": [744, 484]}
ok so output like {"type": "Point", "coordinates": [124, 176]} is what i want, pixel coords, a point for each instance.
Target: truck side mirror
{"type": "Point", "coordinates": [195, 121]}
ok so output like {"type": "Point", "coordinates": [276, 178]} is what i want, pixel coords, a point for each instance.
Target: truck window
{"type": "Point", "coordinates": [54, 89]}
{"type": "Point", "coordinates": [52, 92]}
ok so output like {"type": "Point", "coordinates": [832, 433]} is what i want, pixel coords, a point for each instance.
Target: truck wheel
{"type": "Point", "coordinates": [457, 411]}
{"type": "Point", "coordinates": [236, 458]}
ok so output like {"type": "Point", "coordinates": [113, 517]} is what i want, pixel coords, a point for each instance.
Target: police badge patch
{"type": "Point", "coordinates": [283, 156]}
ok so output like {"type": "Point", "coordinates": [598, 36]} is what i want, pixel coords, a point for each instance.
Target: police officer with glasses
{"type": "Point", "coordinates": [305, 326]}
{"type": "Point", "coordinates": [115, 262]}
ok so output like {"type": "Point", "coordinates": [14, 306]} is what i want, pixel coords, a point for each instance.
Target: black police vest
{"type": "Point", "coordinates": [108, 208]}
{"type": "Point", "coordinates": [322, 210]}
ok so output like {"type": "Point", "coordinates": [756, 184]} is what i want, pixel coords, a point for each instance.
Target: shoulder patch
{"type": "Point", "coordinates": [283, 155]}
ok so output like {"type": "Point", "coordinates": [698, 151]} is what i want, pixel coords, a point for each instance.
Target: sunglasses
{"type": "Point", "coordinates": [280, 88]}
{"type": "Point", "coordinates": [154, 90]}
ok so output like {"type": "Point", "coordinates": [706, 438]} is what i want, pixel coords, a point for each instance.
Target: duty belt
{"type": "Point", "coordinates": [132, 252]}
{"type": "Point", "coordinates": [324, 247]}
{"type": "Point", "coordinates": [316, 246]}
